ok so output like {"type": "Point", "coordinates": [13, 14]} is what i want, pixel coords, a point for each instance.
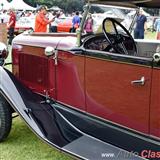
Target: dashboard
{"type": "Point", "coordinates": [96, 43]}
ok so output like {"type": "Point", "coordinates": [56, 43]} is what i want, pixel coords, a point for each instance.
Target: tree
{"type": "Point", "coordinates": [69, 5]}
{"type": "Point", "coordinates": [66, 5]}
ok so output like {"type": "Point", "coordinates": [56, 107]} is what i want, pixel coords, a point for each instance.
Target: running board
{"type": "Point", "coordinates": [92, 149]}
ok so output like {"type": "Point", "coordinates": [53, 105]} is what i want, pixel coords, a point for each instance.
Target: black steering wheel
{"type": "Point", "coordinates": [119, 38]}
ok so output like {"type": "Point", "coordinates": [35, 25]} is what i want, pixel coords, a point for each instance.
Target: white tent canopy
{"type": "Point", "coordinates": [20, 5]}
{"type": "Point", "coordinates": [55, 8]}
{"type": "Point", "coordinates": [4, 4]}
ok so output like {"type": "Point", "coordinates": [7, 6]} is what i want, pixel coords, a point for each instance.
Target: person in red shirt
{"type": "Point", "coordinates": [11, 25]}
{"type": "Point", "coordinates": [41, 21]}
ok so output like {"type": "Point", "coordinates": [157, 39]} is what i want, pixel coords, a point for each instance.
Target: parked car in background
{"type": "Point", "coordinates": [65, 25]}
{"type": "Point", "coordinates": [24, 24]}
{"type": "Point", "coordinates": [90, 95]}
{"type": "Point", "coordinates": [62, 24]}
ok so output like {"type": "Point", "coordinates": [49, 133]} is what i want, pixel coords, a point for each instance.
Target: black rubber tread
{"type": "Point", "coordinates": [5, 118]}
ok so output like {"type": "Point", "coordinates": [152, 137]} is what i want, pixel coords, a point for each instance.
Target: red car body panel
{"type": "Point", "coordinates": [65, 26]}
{"type": "Point", "coordinates": [70, 80]}
{"type": "Point", "coordinates": [108, 83]}
{"type": "Point", "coordinates": [37, 78]}
{"type": "Point", "coordinates": [154, 106]}
{"type": "Point", "coordinates": [41, 78]}
{"type": "Point", "coordinates": [91, 81]}
{"type": "Point", "coordinates": [100, 87]}
{"type": "Point", "coordinates": [103, 94]}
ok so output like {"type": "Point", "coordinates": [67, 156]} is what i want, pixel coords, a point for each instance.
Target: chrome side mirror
{"type": "Point", "coordinates": [156, 57]}
{"type": "Point", "coordinates": [49, 51]}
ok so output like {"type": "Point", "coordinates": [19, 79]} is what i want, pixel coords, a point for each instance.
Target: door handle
{"type": "Point", "coordinates": [139, 82]}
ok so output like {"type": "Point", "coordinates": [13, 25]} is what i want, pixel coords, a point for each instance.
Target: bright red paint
{"type": "Point", "coordinates": [65, 25]}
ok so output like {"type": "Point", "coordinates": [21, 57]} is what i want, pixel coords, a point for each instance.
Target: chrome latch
{"type": "Point", "coordinates": [56, 57]}
{"type": "Point", "coordinates": [139, 82]}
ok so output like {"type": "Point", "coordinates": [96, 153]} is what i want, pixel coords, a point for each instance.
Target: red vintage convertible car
{"type": "Point", "coordinates": [94, 96]}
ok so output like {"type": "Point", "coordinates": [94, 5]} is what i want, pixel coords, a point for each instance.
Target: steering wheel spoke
{"type": "Point", "coordinates": [123, 48]}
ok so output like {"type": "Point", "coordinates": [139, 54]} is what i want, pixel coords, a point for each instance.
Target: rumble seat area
{"type": "Point", "coordinates": [146, 48]}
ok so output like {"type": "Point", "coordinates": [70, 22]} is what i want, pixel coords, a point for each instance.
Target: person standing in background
{"type": "Point", "coordinates": [157, 28]}
{"type": "Point", "coordinates": [11, 25]}
{"type": "Point", "coordinates": [54, 24]}
{"type": "Point", "coordinates": [140, 25]}
{"type": "Point", "coordinates": [41, 20]}
{"type": "Point", "coordinates": [75, 22]}
{"type": "Point", "coordinates": [88, 27]}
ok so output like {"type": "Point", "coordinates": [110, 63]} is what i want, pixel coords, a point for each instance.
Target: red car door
{"type": "Point", "coordinates": [118, 89]}
{"type": "Point", "coordinates": [70, 80]}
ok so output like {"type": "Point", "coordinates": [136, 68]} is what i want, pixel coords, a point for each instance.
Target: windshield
{"type": "Point", "coordinates": [99, 12]}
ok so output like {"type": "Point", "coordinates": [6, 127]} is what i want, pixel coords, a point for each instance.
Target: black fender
{"type": "Point", "coordinates": [39, 115]}
{"type": "Point", "coordinates": [9, 90]}
{"type": "Point", "coordinates": [49, 123]}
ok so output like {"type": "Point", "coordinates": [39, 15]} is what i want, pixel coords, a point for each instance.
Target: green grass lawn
{"type": "Point", "coordinates": [22, 144]}
{"type": "Point", "coordinates": [150, 35]}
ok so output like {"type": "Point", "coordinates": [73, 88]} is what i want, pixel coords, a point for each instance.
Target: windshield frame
{"type": "Point", "coordinates": [115, 11]}
{"type": "Point", "coordinates": [87, 7]}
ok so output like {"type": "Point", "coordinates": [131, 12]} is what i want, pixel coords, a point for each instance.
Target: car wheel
{"type": "Point", "coordinates": [5, 118]}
